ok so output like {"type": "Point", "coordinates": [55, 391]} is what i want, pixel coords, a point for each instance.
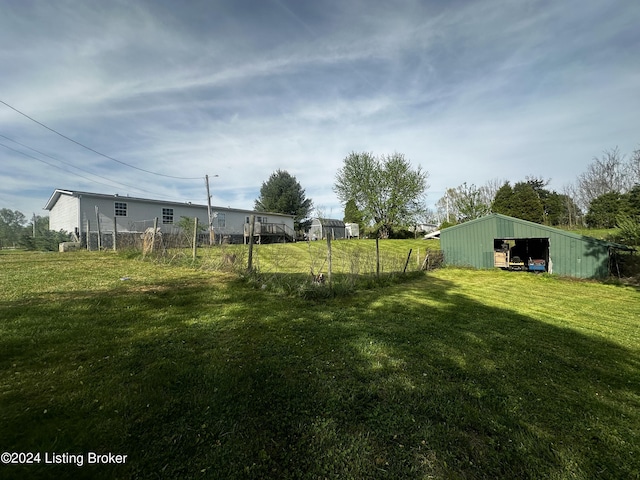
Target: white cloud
{"type": "Point", "coordinates": [470, 91]}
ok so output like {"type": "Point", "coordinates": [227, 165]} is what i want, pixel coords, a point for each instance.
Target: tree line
{"type": "Point", "coordinates": [605, 195]}
{"type": "Point", "coordinates": [16, 231]}
{"type": "Point", "coordinates": [386, 196]}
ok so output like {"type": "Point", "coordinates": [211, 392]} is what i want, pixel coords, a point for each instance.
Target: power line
{"type": "Point", "coordinates": [73, 173]}
{"type": "Point", "coordinates": [69, 164]}
{"type": "Point", "coordinates": [50, 164]}
{"type": "Point", "coordinates": [95, 151]}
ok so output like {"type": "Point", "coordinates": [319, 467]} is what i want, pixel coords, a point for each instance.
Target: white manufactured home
{"type": "Point", "coordinates": [79, 212]}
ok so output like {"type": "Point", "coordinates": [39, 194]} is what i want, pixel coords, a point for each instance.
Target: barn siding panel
{"type": "Point", "coordinates": [471, 244]}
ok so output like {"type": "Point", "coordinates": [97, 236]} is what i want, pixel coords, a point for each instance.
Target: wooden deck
{"type": "Point", "coordinates": [270, 233]}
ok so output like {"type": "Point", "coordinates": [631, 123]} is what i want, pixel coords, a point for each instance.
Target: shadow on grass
{"type": "Point", "coordinates": [415, 381]}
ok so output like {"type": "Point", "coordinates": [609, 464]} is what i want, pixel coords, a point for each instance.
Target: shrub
{"type": "Point", "coordinates": [629, 233]}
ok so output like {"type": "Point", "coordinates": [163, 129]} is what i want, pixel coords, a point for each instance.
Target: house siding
{"type": "Point", "coordinates": [71, 210]}
{"type": "Point", "coordinates": [65, 216]}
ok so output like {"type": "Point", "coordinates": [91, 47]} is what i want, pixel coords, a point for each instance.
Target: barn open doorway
{"type": "Point", "coordinates": [530, 254]}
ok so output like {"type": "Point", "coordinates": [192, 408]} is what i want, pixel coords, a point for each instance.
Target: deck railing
{"type": "Point", "coordinates": [271, 229]}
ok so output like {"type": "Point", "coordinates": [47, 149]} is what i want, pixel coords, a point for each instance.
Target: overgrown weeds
{"type": "Point", "coordinates": [311, 287]}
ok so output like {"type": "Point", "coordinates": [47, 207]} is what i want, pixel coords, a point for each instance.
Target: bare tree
{"type": "Point", "coordinates": [490, 189]}
{"type": "Point", "coordinates": [569, 196]}
{"type": "Point", "coordinates": [604, 175]}
{"type": "Point", "coordinates": [634, 168]}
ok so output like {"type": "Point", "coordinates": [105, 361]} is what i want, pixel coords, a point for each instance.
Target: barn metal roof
{"type": "Point", "coordinates": [556, 231]}
{"type": "Point", "coordinates": [330, 222]}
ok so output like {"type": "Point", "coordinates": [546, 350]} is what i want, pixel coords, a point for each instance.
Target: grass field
{"type": "Point", "coordinates": [197, 374]}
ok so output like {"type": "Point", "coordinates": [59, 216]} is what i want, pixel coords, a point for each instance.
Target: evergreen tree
{"type": "Point", "coordinates": [634, 199]}
{"type": "Point", "coordinates": [283, 194]}
{"type": "Point", "coordinates": [353, 215]}
{"type": "Point", "coordinates": [604, 209]}
{"type": "Point", "coordinates": [502, 200]}
{"type": "Point", "coordinates": [526, 203]}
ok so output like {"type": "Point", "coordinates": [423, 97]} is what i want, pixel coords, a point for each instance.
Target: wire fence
{"type": "Point", "coordinates": [320, 261]}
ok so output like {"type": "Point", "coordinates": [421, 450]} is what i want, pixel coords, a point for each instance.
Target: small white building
{"type": "Point", "coordinates": [351, 230]}
{"type": "Point", "coordinates": [78, 212]}
{"type": "Point", "coordinates": [322, 227]}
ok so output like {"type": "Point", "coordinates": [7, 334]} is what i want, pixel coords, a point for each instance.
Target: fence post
{"type": "Point", "coordinates": [329, 259]}
{"type": "Point", "coordinates": [99, 232]}
{"type": "Point", "coordinates": [115, 234]}
{"type": "Point", "coordinates": [88, 235]}
{"type": "Point", "coordinates": [407, 262]}
{"type": "Point", "coordinates": [377, 258]}
{"type": "Point", "coordinates": [195, 236]}
{"type": "Point", "coordinates": [153, 235]}
{"type": "Point", "coordinates": [252, 220]}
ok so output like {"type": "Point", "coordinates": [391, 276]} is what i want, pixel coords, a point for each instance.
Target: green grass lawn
{"type": "Point", "coordinates": [196, 374]}
{"type": "Point", "coordinates": [348, 256]}
{"type": "Point", "coordinates": [599, 233]}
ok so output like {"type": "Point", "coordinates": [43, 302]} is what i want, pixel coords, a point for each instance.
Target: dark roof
{"type": "Point", "coordinates": [331, 222]}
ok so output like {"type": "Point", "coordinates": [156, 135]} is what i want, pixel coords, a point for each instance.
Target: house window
{"type": "Point", "coordinates": [221, 220]}
{"type": "Point", "coordinates": [121, 209]}
{"type": "Point", "coordinates": [167, 216]}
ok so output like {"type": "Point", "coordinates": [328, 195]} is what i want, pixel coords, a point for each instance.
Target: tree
{"type": "Point", "coordinates": [12, 223]}
{"type": "Point", "coordinates": [554, 204]}
{"type": "Point", "coordinates": [571, 210]}
{"type": "Point", "coordinates": [491, 188]}
{"type": "Point", "coordinates": [464, 203]}
{"type": "Point", "coordinates": [521, 201]}
{"type": "Point", "coordinates": [634, 167]}
{"type": "Point", "coordinates": [526, 203]}
{"type": "Point", "coordinates": [604, 175]}
{"type": "Point", "coordinates": [388, 191]}
{"type": "Point", "coordinates": [44, 239]}
{"type": "Point", "coordinates": [634, 200]}
{"type": "Point", "coordinates": [283, 194]}
{"type": "Point", "coordinates": [604, 210]}
{"type": "Point", "coordinates": [353, 215]}
{"type": "Point", "coordinates": [502, 200]}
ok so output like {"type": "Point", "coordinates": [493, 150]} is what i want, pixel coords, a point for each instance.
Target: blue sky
{"type": "Point", "coordinates": [471, 91]}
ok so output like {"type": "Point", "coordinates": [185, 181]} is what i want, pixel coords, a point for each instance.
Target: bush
{"type": "Point", "coordinates": [629, 233]}
{"type": "Point", "coordinates": [402, 234]}
{"type": "Point", "coordinates": [45, 240]}
{"type": "Point", "coordinates": [626, 265]}
{"type": "Point", "coordinates": [446, 224]}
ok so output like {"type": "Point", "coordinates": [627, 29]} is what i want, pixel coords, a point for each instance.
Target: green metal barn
{"type": "Point", "coordinates": [499, 241]}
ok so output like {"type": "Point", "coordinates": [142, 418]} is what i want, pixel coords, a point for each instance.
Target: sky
{"type": "Point", "coordinates": [163, 93]}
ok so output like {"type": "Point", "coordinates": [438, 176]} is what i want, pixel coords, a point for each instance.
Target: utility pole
{"type": "Point", "coordinates": [211, 232]}
{"type": "Point", "coordinates": [447, 197]}
{"type": "Point", "coordinates": [206, 180]}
